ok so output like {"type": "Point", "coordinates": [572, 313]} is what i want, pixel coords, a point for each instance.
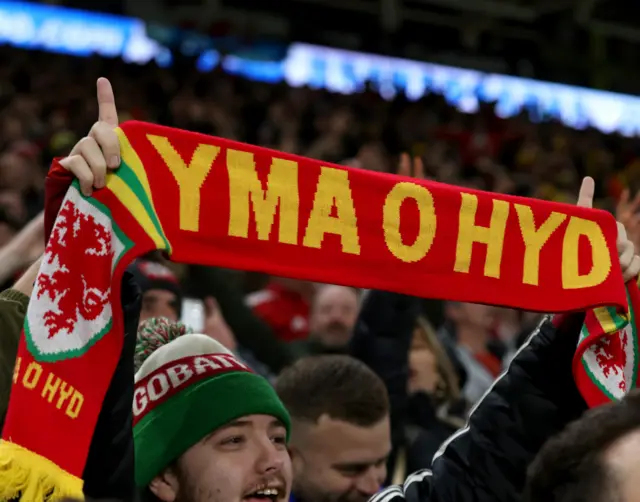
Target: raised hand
{"type": "Point", "coordinates": [100, 149]}
{"type": "Point", "coordinates": [413, 169]}
{"type": "Point", "coordinates": [629, 261]}
{"type": "Point", "coordinates": [628, 213]}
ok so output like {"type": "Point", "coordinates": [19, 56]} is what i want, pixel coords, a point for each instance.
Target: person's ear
{"type": "Point", "coordinates": [165, 486]}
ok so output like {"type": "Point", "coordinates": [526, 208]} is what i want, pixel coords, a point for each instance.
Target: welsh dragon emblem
{"type": "Point", "coordinates": [71, 306]}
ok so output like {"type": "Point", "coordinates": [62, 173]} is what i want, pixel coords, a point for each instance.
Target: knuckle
{"type": "Point", "coordinates": [106, 137]}
{"type": "Point", "coordinates": [96, 128]}
{"type": "Point", "coordinates": [78, 166]}
{"type": "Point", "coordinates": [85, 144]}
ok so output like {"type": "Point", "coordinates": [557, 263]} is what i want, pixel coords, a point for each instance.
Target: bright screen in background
{"type": "Point", "coordinates": [193, 314]}
{"type": "Point", "coordinates": [80, 33]}
{"type": "Point", "coordinates": [76, 32]}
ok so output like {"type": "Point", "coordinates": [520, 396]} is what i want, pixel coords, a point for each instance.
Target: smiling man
{"type": "Point", "coordinates": [340, 437]}
{"type": "Point", "coordinates": [208, 429]}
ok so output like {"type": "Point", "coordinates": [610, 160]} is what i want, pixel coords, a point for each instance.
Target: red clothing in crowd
{"type": "Point", "coordinates": [490, 363]}
{"type": "Point", "coordinates": [285, 311]}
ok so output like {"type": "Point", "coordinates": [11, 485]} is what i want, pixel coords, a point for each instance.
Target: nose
{"type": "Point", "coordinates": [269, 458]}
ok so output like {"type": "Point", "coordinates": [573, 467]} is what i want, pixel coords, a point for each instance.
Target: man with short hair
{"type": "Point", "coordinates": [333, 315]}
{"type": "Point", "coordinates": [334, 311]}
{"type": "Point", "coordinates": [206, 428]}
{"type": "Point", "coordinates": [340, 437]}
{"type": "Point", "coordinates": [596, 458]}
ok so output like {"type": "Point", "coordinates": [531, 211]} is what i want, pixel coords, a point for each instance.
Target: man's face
{"type": "Point", "coordinates": [335, 461]}
{"type": "Point", "coordinates": [334, 314]}
{"type": "Point", "coordinates": [159, 303]}
{"type": "Point", "coordinates": [231, 465]}
{"type": "Point", "coordinates": [473, 315]}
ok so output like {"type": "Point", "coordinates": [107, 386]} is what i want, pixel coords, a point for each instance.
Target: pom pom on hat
{"type": "Point", "coordinates": [153, 334]}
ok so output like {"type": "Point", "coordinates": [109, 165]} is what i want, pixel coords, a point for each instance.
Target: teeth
{"type": "Point", "coordinates": [268, 492]}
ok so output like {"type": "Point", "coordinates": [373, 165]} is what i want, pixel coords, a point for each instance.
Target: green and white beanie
{"type": "Point", "coordinates": [187, 389]}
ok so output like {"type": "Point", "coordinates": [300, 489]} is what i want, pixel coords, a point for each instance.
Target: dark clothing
{"type": "Point", "coordinates": [382, 339]}
{"type": "Point", "coordinates": [13, 309]}
{"type": "Point", "coordinates": [312, 347]}
{"type": "Point", "coordinates": [108, 473]}
{"type": "Point", "coordinates": [533, 400]}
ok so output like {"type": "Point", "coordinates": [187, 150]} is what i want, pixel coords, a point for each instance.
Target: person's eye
{"type": "Point", "coordinates": [351, 471]}
{"type": "Point", "coordinates": [280, 439]}
{"type": "Point", "coordinates": [232, 440]}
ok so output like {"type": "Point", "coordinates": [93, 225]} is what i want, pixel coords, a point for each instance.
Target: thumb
{"type": "Point", "coordinates": [211, 306]}
{"type": "Point", "coordinates": [587, 189]}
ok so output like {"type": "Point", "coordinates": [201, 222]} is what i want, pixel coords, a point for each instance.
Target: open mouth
{"type": "Point", "coordinates": [265, 494]}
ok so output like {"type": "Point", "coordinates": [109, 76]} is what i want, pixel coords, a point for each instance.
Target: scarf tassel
{"type": "Point", "coordinates": [27, 476]}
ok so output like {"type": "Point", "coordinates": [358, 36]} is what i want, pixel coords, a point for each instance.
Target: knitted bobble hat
{"type": "Point", "coordinates": [154, 333]}
{"type": "Point", "coordinates": [187, 389]}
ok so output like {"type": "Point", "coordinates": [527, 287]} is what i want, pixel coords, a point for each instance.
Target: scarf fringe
{"type": "Point", "coordinates": [27, 476]}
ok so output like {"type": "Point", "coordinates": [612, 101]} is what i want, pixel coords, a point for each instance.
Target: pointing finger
{"type": "Point", "coordinates": [107, 111]}
{"type": "Point", "coordinates": [585, 197]}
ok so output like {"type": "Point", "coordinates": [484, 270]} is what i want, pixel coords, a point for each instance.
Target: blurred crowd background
{"type": "Point", "coordinates": [47, 103]}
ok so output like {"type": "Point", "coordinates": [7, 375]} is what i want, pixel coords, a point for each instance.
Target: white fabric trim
{"type": "Point", "coordinates": [394, 491]}
{"type": "Point", "coordinates": [465, 429]}
{"type": "Point", "coordinates": [259, 297]}
{"type": "Point", "coordinates": [187, 345]}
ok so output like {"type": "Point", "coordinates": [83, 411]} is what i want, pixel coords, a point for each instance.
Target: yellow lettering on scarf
{"type": "Point", "coordinates": [391, 221]}
{"type": "Point", "coordinates": [534, 239]}
{"type": "Point", "coordinates": [245, 190]}
{"type": "Point", "coordinates": [571, 278]}
{"type": "Point", "coordinates": [75, 404]}
{"type": "Point", "coordinates": [50, 387]}
{"type": "Point", "coordinates": [189, 177]}
{"type": "Point", "coordinates": [32, 375]}
{"type": "Point", "coordinates": [492, 236]}
{"type": "Point", "coordinates": [64, 395]}
{"type": "Point", "coordinates": [333, 191]}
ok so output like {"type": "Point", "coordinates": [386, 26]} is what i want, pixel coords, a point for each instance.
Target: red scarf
{"type": "Point", "coordinates": [216, 202]}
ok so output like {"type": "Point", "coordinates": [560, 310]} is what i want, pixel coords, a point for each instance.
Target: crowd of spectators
{"type": "Point", "coordinates": [47, 103]}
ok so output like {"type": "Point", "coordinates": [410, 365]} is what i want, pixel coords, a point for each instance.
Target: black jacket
{"type": "Point", "coordinates": [487, 460]}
